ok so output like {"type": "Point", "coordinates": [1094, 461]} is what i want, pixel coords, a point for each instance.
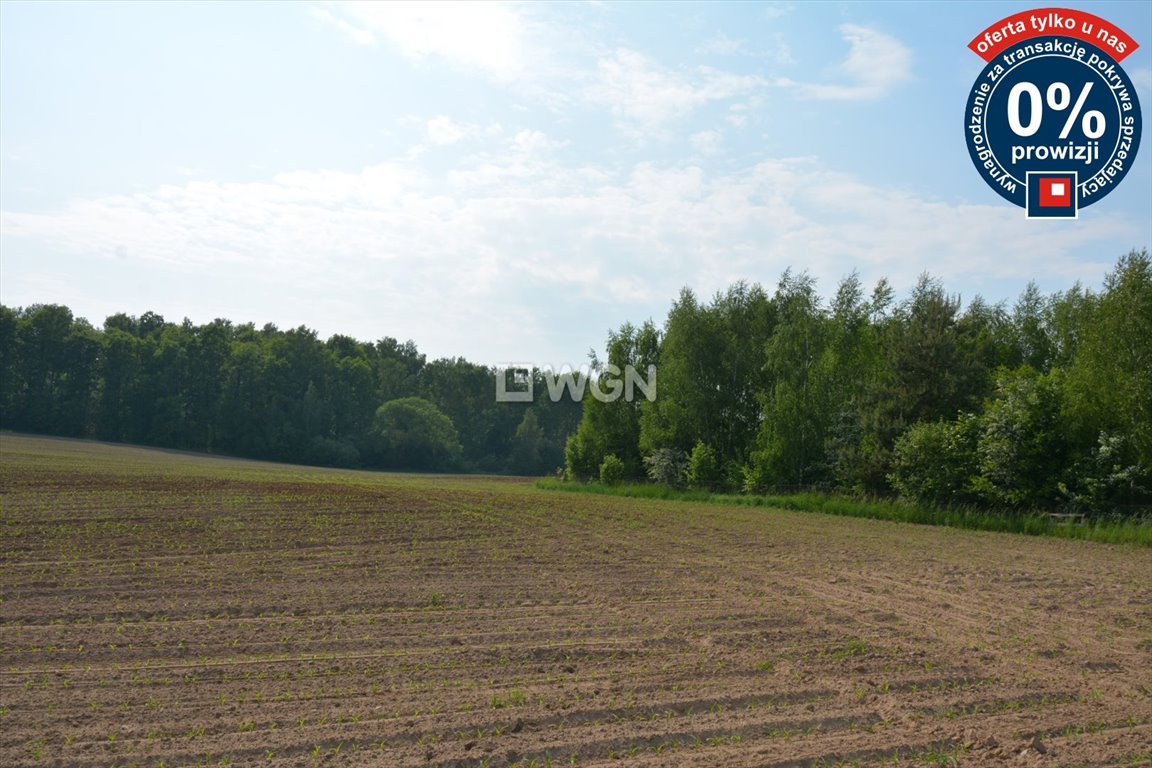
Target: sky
{"type": "Point", "coordinates": [507, 182]}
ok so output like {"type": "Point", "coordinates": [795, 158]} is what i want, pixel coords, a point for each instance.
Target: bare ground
{"type": "Point", "coordinates": [181, 610]}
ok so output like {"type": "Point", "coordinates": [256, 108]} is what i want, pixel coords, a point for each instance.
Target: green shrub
{"type": "Point", "coordinates": [704, 471]}
{"type": "Point", "coordinates": [936, 462]}
{"type": "Point", "coordinates": [666, 466]}
{"type": "Point", "coordinates": [611, 470]}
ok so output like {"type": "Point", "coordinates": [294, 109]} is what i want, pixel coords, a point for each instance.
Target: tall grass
{"type": "Point", "coordinates": [1107, 530]}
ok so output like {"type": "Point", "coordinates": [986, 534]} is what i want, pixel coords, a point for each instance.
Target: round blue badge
{"type": "Point", "coordinates": [1053, 125]}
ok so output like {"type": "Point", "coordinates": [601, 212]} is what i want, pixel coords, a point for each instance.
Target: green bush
{"type": "Point", "coordinates": [1108, 477]}
{"type": "Point", "coordinates": [666, 466]}
{"type": "Point", "coordinates": [326, 452]}
{"type": "Point", "coordinates": [1022, 449]}
{"type": "Point", "coordinates": [611, 470]}
{"type": "Point", "coordinates": [936, 462]}
{"type": "Point", "coordinates": [579, 457]}
{"type": "Point", "coordinates": [704, 471]}
{"type": "Point", "coordinates": [412, 433]}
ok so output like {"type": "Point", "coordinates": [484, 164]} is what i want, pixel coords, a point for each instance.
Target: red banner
{"type": "Point", "coordinates": [1047, 22]}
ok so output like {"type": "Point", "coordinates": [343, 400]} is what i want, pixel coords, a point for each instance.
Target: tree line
{"type": "Point", "coordinates": [1044, 405]}
{"type": "Point", "coordinates": [266, 393]}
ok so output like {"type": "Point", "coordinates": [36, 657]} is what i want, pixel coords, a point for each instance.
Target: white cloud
{"type": "Point", "coordinates": [707, 142]}
{"type": "Point", "coordinates": [876, 64]}
{"type": "Point", "coordinates": [638, 91]}
{"type": "Point", "coordinates": [737, 115]}
{"type": "Point", "coordinates": [722, 45]}
{"type": "Point", "coordinates": [521, 230]}
{"type": "Point", "coordinates": [486, 35]}
{"type": "Point", "coordinates": [357, 34]}
{"type": "Point", "coordinates": [773, 47]}
{"type": "Point", "coordinates": [776, 10]}
{"type": "Point", "coordinates": [652, 184]}
{"type": "Point", "coordinates": [535, 142]}
{"type": "Point", "coordinates": [1142, 79]}
{"type": "Point", "coordinates": [443, 130]}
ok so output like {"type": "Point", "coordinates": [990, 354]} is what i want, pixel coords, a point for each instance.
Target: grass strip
{"type": "Point", "coordinates": [1104, 529]}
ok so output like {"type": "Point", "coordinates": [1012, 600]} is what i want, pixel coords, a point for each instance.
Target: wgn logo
{"type": "Point", "coordinates": [515, 383]}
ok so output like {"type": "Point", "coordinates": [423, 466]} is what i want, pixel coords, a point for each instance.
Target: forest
{"type": "Point", "coordinates": [283, 395]}
{"type": "Point", "coordinates": [1040, 405]}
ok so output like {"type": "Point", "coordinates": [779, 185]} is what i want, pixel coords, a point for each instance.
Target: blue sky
{"type": "Point", "coordinates": [508, 182]}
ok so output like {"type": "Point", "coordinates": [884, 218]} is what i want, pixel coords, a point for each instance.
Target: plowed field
{"type": "Point", "coordinates": [165, 609]}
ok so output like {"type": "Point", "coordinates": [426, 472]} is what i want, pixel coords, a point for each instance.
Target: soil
{"type": "Point", "coordinates": [166, 609]}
